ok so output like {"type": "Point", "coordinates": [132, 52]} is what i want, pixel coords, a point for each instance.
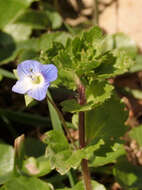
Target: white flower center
{"type": "Point", "coordinates": [33, 81]}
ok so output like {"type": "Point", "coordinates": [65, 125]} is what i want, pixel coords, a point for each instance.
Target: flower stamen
{"type": "Point", "coordinates": [37, 79]}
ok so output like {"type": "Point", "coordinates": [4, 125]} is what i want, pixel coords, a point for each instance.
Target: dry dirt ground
{"type": "Point", "coordinates": [124, 16]}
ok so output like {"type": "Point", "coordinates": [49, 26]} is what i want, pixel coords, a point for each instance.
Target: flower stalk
{"type": "Point", "coordinates": [63, 121]}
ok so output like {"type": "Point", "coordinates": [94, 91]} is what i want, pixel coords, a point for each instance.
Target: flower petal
{"type": "Point", "coordinates": [49, 72]}
{"type": "Point", "coordinates": [28, 67]}
{"type": "Point", "coordinates": [38, 93]}
{"type": "Point", "coordinates": [21, 86]}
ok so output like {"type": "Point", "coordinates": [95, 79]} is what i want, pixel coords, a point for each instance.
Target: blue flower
{"type": "Point", "coordinates": [34, 78]}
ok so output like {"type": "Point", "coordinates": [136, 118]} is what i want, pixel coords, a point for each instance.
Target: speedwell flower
{"type": "Point", "coordinates": [34, 78]}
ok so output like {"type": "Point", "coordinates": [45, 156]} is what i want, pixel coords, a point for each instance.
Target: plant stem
{"type": "Point", "coordinates": [96, 12]}
{"type": "Point", "coordinates": [117, 16]}
{"type": "Point", "coordinates": [82, 143]}
{"type": "Point", "coordinates": [63, 122]}
{"type": "Point", "coordinates": [71, 178]}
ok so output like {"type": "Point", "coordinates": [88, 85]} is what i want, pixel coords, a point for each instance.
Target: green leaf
{"type": "Point", "coordinates": [35, 163]}
{"type": "Point", "coordinates": [7, 74]}
{"type": "Point", "coordinates": [124, 42]}
{"type": "Point", "coordinates": [29, 101]}
{"type": "Point", "coordinates": [3, 188]}
{"type": "Point", "coordinates": [6, 162]}
{"type": "Point", "coordinates": [95, 185]}
{"type": "Point", "coordinates": [56, 123]}
{"type": "Point", "coordinates": [106, 121]}
{"type": "Point", "coordinates": [10, 9]}
{"type": "Point", "coordinates": [32, 43]}
{"type": "Point", "coordinates": [73, 106]}
{"type": "Point", "coordinates": [34, 147]}
{"type": "Point", "coordinates": [109, 153]}
{"type": "Point", "coordinates": [120, 41]}
{"type": "Point", "coordinates": [80, 186]}
{"type": "Point", "coordinates": [31, 48]}
{"type": "Point", "coordinates": [35, 19]}
{"type": "Point", "coordinates": [65, 79]}
{"type": "Point", "coordinates": [18, 31]}
{"type": "Point", "coordinates": [1, 77]}
{"type": "Point", "coordinates": [96, 93]}
{"type": "Point", "coordinates": [27, 183]}
{"type": "Point", "coordinates": [128, 175]}
{"type": "Point", "coordinates": [115, 63]}
{"type": "Point", "coordinates": [108, 43]}
{"type": "Point", "coordinates": [36, 166]}
{"type": "Point", "coordinates": [78, 56]}
{"type": "Point", "coordinates": [136, 134]}
{"type": "Point", "coordinates": [75, 120]}
{"type": "Point", "coordinates": [92, 35]}
{"type": "Point", "coordinates": [25, 118]}
{"type": "Point", "coordinates": [55, 19]}
{"type": "Point", "coordinates": [19, 151]}
{"type": "Point", "coordinates": [46, 40]}
{"type": "Point", "coordinates": [7, 46]}
{"type": "Point", "coordinates": [60, 154]}
{"type": "Point", "coordinates": [133, 92]}
{"type": "Point", "coordinates": [28, 54]}
{"type": "Point", "coordinates": [85, 57]}
{"type": "Point", "coordinates": [138, 64]}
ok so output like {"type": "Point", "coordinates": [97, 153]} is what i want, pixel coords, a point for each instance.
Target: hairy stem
{"type": "Point", "coordinates": [82, 143]}
{"type": "Point", "coordinates": [63, 121]}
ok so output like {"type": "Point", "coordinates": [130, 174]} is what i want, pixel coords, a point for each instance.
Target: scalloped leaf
{"type": "Point", "coordinates": [106, 122]}
{"type": "Point", "coordinates": [96, 93]}
{"type": "Point", "coordinates": [60, 154]}
{"type": "Point", "coordinates": [86, 57]}
{"type": "Point", "coordinates": [116, 63]}
{"type": "Point", "coordinates": [109, 153]}
{"type": "Point", "coordinates": [80, 54]}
